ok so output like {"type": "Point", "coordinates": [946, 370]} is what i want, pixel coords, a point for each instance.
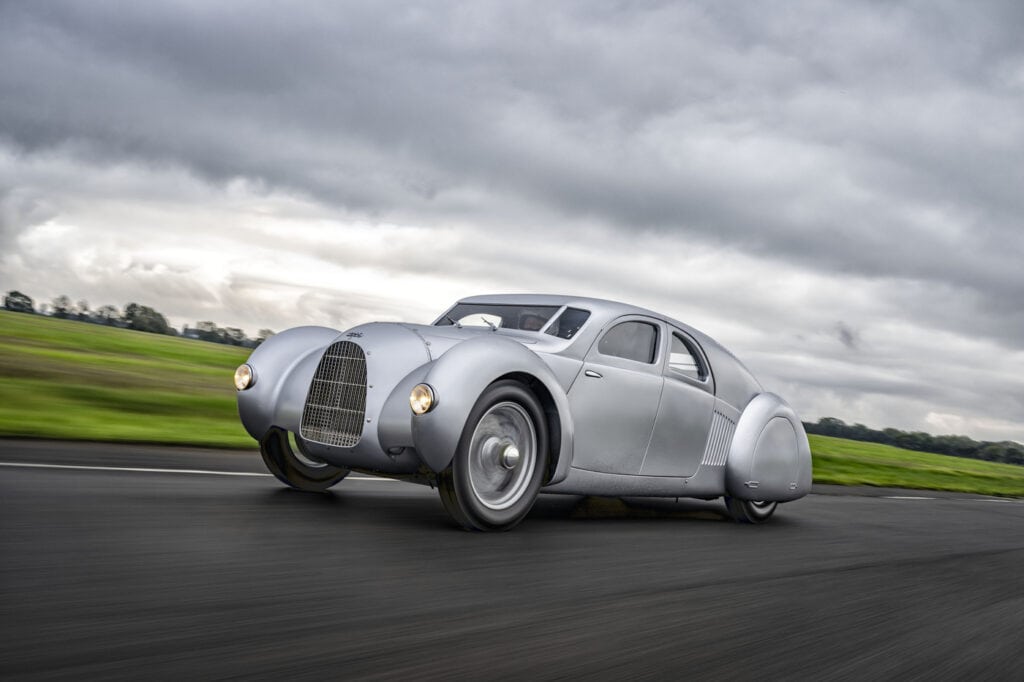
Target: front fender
{"type": "Point", "coordinates": [460, 376]}
{"type": "Point", "coordinates": [283, 365]}
{"type": "Point", "coordinates": [770, 458]}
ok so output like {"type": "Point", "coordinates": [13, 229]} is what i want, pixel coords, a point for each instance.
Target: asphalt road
{"type": "Point", "coordinates": [178, 575]}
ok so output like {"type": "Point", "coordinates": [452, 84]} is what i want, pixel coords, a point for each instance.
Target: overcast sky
{"type": "Point", "coordinates": [834, 191]}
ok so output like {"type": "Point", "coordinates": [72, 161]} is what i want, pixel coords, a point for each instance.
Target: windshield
{"type": "Point", "coordinates": [530, 318]}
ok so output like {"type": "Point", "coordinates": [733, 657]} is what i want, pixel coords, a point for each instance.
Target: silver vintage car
{"type": "Point", "coordinates": [504, 397]}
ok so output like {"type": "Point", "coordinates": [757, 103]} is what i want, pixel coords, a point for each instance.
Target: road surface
{"type": "Point", "coordinates": [141, 562]}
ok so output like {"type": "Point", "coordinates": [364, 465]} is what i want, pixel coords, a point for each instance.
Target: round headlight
{"type": "Point", "coordinates": [244, 377]}
{"type": "Point", "coordinates": [421, 399]}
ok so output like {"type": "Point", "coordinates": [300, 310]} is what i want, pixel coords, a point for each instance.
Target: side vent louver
{"type": "Point", "coordinates": [719, 440]}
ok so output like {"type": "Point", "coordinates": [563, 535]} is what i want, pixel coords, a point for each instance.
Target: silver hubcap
{"type": "Point", "coordinates": [763, 508]}
{"type": "Point", "coordinates": [502, 455]}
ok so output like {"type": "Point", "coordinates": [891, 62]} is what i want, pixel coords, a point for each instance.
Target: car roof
{"type": "Point", "coordinates": [608, 310]}
{"type": "Point", "coordinates": [605, 311]}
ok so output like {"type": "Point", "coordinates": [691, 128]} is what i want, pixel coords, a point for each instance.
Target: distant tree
{"type": "Point", "coordinates": [145, 319]}
{"type": "Point", "coordinates": [916, 440]}
{"type": "Point", "coordinates": [234, 336]}
{"type": "Point", "coordinates": [82, 309]}
{"type": "Point", "coordinates": [209, 331]}
{"type": "Point", "coordinates": [957, 446]}
{"type": "Point", "coordinates": [18, 302]}
{"type": "Point", "coordinates": [263, 335]}
{"type": "Point", "coordinates": [1014, 453]}
{"type": "Point", "coordinates": [108, 314]}
{"type": "Point", "coordinates": [61, 306]}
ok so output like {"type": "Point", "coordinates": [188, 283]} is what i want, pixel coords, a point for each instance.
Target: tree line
{"type": "Point", "coordinates": [134, 316]}
{"type": "Point", "coordinates": [1007, 451]}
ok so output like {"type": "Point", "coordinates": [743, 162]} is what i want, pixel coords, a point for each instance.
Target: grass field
{"type": "Point", "coordinates": [850, 462]}
{"type": "Point", "coordinates": [65, 379]}
{"type": "Point", "coordinates": [70, 380]}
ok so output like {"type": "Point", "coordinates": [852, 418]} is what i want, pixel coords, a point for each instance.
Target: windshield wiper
{"type": "Point", "coordinates": [489, 323]}
{"type": "Point", "coordinates": [454, 322]}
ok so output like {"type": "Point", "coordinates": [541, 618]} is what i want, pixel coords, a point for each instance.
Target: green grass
{"type": "Point", "coordinates": [850, 462]}
{"type": "Point", "coordinates": [70, 380]}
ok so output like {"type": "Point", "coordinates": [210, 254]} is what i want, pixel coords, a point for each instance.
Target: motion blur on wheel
{"type": "Point", "coordinates": [504, 397]}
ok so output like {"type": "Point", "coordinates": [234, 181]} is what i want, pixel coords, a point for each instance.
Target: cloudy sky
{"type": "Point", "coordinates": [836, 192]}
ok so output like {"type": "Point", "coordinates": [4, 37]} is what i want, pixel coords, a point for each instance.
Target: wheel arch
{"type": "Point", "coordinates": [459, 378]}
{"type": "Point", "coordinates": [552, 417]}
{"type": "Point", "coordinates": [769, 458]}
{"type": "Point", "coordinates": [284, 366]}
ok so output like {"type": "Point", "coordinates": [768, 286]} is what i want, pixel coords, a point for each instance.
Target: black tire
{"type": "Point", "coordinates": [749, 511]}
{"type": "Point", "coordinates": [500, 463]}
{"type": "Point", "coordinates": [298, 472]}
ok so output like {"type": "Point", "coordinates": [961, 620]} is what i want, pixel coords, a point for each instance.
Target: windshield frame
{"type": "Point", "coordinates": [448, 320]}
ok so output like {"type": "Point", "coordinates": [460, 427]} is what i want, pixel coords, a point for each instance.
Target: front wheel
{"type": "Point", "coordinates": [500, 462]}
{"type": "Point", "coordinates": [749, 511]}
{"type": "Point", "coordinates": [293, 468]}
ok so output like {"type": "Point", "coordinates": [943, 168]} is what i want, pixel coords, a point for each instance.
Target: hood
{"type": "Point", "coordinates": [439, 339]}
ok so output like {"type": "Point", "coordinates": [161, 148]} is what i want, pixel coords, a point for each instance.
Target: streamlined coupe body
{"type": "Point", "coordinates": [503, 397]}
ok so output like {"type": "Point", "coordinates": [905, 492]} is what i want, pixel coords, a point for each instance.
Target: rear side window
{"type": "Point", "coordinates": [636, 341]}
{"type": "Point", "coordinates": [568, 323]}
{"type": "Point", "coordinates": [684, 359]}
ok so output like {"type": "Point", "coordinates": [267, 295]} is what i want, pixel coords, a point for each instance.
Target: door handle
{"type": "Point", "coordinates": [591, 373]}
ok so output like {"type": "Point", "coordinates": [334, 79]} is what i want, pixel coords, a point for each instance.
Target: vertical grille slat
{"type": "Point", "coordinates": [719, 440]}
{"type": "Point", "coordinates": [336, 401]}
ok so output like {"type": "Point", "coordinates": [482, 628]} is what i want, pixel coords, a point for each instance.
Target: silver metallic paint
{"type": "Point", "coordinates": [607, 442]}
{"type": "Point", "coordinates": [770, 458]}
{"type": "Point", "coordinates": [460, 376]}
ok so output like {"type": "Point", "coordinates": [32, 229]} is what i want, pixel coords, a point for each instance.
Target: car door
{"type": "Point", "coordinates": [614, 400]}
{"type": "Point", "coordinates": [684, 416]}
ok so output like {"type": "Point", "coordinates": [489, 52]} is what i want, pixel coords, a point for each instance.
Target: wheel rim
{"type": "Point", "coordinates": [303, 459]}
{"type": "Point", "coordinates": [762, 508]}
{"type": "Point", "coordinates": [502, 455]}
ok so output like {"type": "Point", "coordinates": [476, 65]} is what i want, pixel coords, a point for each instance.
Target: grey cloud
{"type": "Point", "coordinates": [390, 113]}
{"type": "Point", "coordinates": [847, 336]}
{"type": "Point", "coordinates": [20, 209]}
{"type": "Point", "coordinates": [878, 145]}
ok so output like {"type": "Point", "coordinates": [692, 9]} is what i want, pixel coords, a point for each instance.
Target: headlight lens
{"type": "Point", "coordinates": [244, 377]}
{"type": "Point", "coordinates": [421, 399]}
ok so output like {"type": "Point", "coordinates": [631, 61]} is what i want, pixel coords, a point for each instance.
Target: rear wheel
{"type": "Point", "coordinates": [294, 468]}
{"type": "Point", "coordinates": [749, 511]}
{"type": "Point", "coordinates": [499, 465]}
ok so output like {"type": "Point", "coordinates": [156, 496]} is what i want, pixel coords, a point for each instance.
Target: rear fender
{"type": "Point", "coordinates": [770, 458]}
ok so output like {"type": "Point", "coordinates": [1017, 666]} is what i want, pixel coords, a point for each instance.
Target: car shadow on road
{"type": "Point", "coordinates": [292, 497]}
{"type": "Point", "coordinates": [614, 508]}
{"type": "Point", "coordinates": [424, 512]}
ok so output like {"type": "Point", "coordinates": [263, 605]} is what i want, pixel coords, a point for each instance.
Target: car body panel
{"type": "Point", "coordinates": [680, 431]}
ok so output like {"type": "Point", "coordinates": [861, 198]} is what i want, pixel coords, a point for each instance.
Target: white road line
{"type": "Point", "coordinates": [201, 472]}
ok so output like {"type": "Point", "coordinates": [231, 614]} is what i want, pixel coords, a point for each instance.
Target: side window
{"type": "Point", "coordinates": [568, 323]}
{"type": "Point", "coordinates": [636, 341]}
{"type": "Point", "coordinates": [685, 360]}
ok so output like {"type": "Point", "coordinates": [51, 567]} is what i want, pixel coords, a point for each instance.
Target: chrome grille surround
{"type": "Point", "coordinates": [719, 440]}
{"type": "Point", "coordinates": [336, 403]}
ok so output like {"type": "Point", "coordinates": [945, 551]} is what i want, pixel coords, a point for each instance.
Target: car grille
{"type": "Point", "coordinates": [336, 403]}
